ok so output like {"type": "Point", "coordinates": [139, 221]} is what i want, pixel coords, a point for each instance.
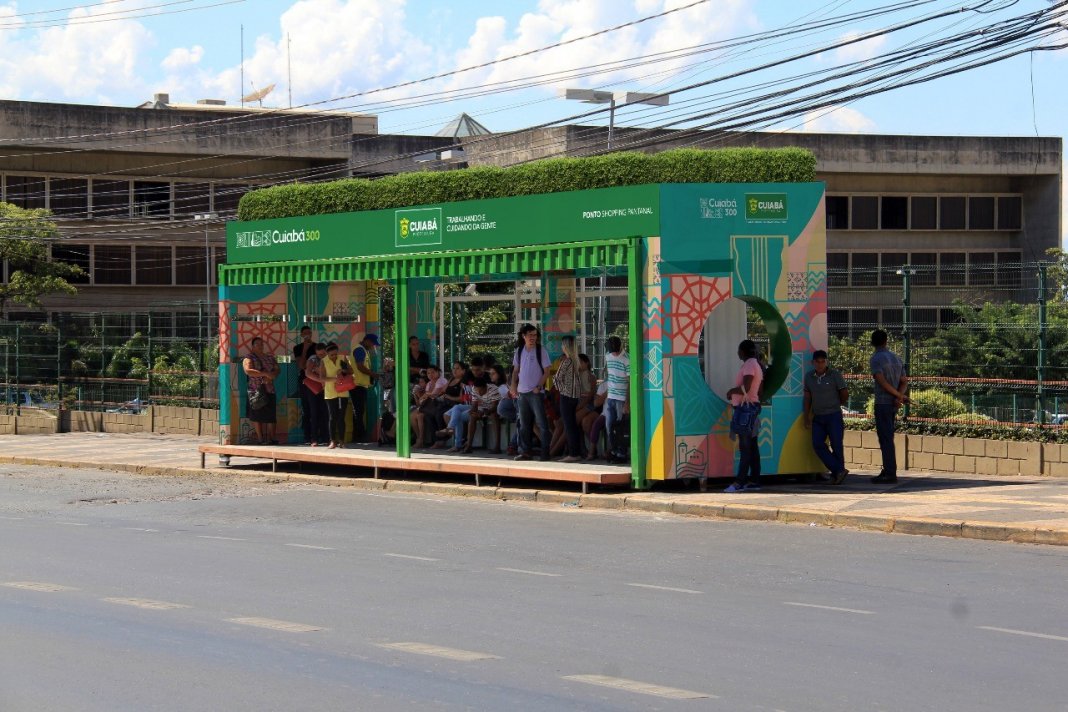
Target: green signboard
{"type": "Point", "coordinates": [579, 216]}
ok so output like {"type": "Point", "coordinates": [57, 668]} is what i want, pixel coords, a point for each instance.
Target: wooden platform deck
{"type": "Point", "coordinates": [380, 461]}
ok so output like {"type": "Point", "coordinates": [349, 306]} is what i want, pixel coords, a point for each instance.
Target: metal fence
{"type": "Point", "coordinates": [984, 342]}
{"type": "Point", "coordinates": [119, 362]}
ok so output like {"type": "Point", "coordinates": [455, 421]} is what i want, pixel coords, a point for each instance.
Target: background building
{"type": "Point", "coordinates": [126, 185]}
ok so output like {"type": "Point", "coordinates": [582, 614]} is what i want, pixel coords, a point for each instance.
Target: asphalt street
{"type": "Point", "coordinates": [125, 592]}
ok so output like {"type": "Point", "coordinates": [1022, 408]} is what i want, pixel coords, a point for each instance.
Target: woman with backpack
{"type": "Point", "coordinates": [745, 418]}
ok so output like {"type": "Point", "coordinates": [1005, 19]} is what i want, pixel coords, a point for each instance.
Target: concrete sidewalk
{"type": "Point", "coordinates": [1021, 509]}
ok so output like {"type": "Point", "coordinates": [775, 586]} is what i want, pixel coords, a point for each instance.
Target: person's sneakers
{"type": "Point", "coordinates": [522, 456]}
{"type": "Point", "coordinates": [840, 477]}
{"type": "Point", "coordinates": [883, 479]}
{"type": "Point", "coordinates": [751, 487]}
{"type": "Point", "coordinates": [734, 488]}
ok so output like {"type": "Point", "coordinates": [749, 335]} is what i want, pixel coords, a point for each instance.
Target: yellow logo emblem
{"type": "Point", "coordinates": [404, 227]}
{"type": "Point", "coordinates": [753, 205]}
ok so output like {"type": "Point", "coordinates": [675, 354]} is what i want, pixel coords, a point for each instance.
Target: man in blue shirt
{"type": "Point", "coordinates": [891, 389]}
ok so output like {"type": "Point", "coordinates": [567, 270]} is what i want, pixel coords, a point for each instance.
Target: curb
{"type": "Point", "coordinates": [920, 526]}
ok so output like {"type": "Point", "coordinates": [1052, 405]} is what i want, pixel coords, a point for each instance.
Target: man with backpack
{"type": "Point", "coordinates": [531, 363]}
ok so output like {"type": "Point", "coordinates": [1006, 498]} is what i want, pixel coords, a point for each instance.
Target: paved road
{"type": "Point", "coordinates": [120, 592]}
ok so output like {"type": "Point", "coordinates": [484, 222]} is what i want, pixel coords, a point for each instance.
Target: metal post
{"type": "Point", "coordinates": [637, 363]}
{"type": "Point", "coordinates": [906, 324]}
{"type": "Point", "coordinates": [59, 367]}
{"type": "Point", "coordinates": [611, 120]}
{"type": "Point", "coordinates": [200, 353]}
{"type": "Point", "coordinates": [18, 342]}
{"type": "Point", "coordinates": [1042, 334]}
{"type": "Point", "coordinates": [403, 378]}
{"type": "Point", "coordinates": [150, 362]}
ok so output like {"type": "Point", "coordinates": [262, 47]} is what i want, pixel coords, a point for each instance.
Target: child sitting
{"type": "Point", "coordinates": [484, 401]}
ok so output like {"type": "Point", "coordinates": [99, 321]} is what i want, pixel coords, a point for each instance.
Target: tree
{"type": "Point", "coordinates": [24, 236]}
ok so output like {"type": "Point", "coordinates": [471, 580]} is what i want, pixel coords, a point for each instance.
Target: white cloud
{"type": "Point", "coordinates": [859, 51]}
{"type": "Point", "coordinates": [560, 20]}
{"type": "Point", "coordinates": [837, 119]}
{"type": "Point", "coordinates": [74, 61]}
{"type": "Point", "coordinates": [180, 57]}
{"type": "Point", "coordinates": [337, 47]}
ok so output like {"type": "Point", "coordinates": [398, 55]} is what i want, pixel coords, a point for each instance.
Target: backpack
{"type": "Point", "coordinates": [519, 360]}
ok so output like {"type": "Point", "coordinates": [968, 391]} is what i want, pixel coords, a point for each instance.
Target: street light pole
{"type": "Point", "coordinates": [613, 99]}
{"type": "Point", "coordinates": [206, 218]}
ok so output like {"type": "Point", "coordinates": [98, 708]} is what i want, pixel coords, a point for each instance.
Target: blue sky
{"type": "Point", "coordinates": [100, 54]}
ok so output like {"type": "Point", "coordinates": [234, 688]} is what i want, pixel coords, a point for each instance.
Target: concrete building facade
{"type": "Point", "coordinates": [965, 212]}
{"type": "Point", "coordinates": [126, 185]}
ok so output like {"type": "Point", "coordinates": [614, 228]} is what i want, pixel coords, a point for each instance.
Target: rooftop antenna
{"type": "Point", "coordinates": [258, 94]}
{"type": "Point", "coordinates": [242, 65]}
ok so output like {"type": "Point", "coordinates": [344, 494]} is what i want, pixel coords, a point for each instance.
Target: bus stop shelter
{"type": "Point", "coordinates": [698, 258]}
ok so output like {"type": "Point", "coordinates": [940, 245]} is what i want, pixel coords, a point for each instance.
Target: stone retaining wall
{"type": "Point", "coordinates": [970, 456]}
{"type": "Point", "coordinates": [167, 420]}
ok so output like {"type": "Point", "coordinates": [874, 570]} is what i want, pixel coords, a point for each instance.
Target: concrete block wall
{"type": "Point", "coordinates": [973, 456]}
{"type": "Point", "coordinates": [166, 420]}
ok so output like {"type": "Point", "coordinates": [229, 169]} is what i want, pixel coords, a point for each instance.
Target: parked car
{"type": "Point", "coordinates": [134, 407]}
{"type": "Point", "coordinates": [26, 399]}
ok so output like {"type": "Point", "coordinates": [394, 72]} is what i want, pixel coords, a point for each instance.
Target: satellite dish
{"type": "Point", "coordinates": [259, 94]}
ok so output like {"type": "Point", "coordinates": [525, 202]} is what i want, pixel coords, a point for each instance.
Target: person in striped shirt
{"type": "Point", "coordinates": [484, 401]}
{"type": "Point", "coordinates": [617, 405]}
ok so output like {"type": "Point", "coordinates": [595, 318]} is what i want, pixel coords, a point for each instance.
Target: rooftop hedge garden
{"type": "Point", "coordinates": [553, 175]}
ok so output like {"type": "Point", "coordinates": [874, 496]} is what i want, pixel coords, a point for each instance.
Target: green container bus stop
{"type": "Point", "coordinates": [696, 257]}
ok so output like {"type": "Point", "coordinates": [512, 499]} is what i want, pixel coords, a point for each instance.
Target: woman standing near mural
{"type": "Point", "coordinates": [315, 382]}
{"type": "Point", "coordinates": [261, 369]}
{"type": "Point", "coordinates": [745, 419]}
{"type": "Point", "coordinates": [336, 402]}
{"type": "Point", "coordinates": [570, 386]}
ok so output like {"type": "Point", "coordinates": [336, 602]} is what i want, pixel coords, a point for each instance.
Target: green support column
{"type": "Point", "coordinates": [635, 255]}
{"type": "Point", "coordinates": [403, 378]}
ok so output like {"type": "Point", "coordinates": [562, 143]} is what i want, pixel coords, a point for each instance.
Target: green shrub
{"type": "Point", "coordinates": [552, 175]}
{"type": "Point", "coordinates": [929, 403]}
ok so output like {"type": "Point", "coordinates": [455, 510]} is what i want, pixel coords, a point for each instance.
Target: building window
{"type": "Point", "coordinates": [892, 320]}
{"type": "Point", "coordinates": [894, 213]}
{"type": "Point", "coordinates": [892, 263]}
{"type": "Point", "coordinates": [865, 320]}
{"type": "Point", "coordinates": [837, 212]}
{"type": "Point", "coordinates": [111, 198]}
{"type": "Point", "coordinates": [219, 258]}
{"type": "Point", "coordinates": [190, 265]}
{"type": "Point", "coordinates": [1010, 213]}
{"type": "Point", "coordinates": [192, 198]}
{"type": "Point", "coordinates": [151, 199]}
{"type": "Point", "coordinates": [68, 197]}
{"type": "Point", "coordinates": [981, 269]}
{"type": "Point", "coordinates": [924, 212]}
{"type": "Point", "coordinates": [26, 191]}
{"type": "Point", "coordinates": [838, 322]}
{"type": "Point", "coordinates": [865, 212]}
{"type": "Point", "coordinates": [951, 213]}
{"type": "Point", "coordinates": [112, 264]}
{"type": "Point", "coordinates": [73, 255]}
{"type": "Point", "coordinates": [1009, 269]}
{"type": "Point", "coordinates": [865, 269]}
{"type": "Point", "coordinates": [154, 264]}
{"type": "Point", "coordinates": [980, 213]}
{"type": "Point", "coordinates": [837, 269]}
{"type": "Point", "coordinates": [923, 322]}
{"type": "Point", "coordinates": [925, 268]}
{"type": "Point", "coordinates": [227, 197]}
{"type": "Point", "coordinates": [952, 269]}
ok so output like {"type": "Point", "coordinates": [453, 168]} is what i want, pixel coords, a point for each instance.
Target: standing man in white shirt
{"type": "Point", "coordinates": [531, 362]}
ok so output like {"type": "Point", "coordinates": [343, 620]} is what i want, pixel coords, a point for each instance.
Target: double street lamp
{"type": "Point", "coordinates": [614, 99]}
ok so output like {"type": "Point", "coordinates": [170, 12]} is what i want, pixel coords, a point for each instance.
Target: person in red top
{"type": "Point", "coordinates": [747, 391]}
